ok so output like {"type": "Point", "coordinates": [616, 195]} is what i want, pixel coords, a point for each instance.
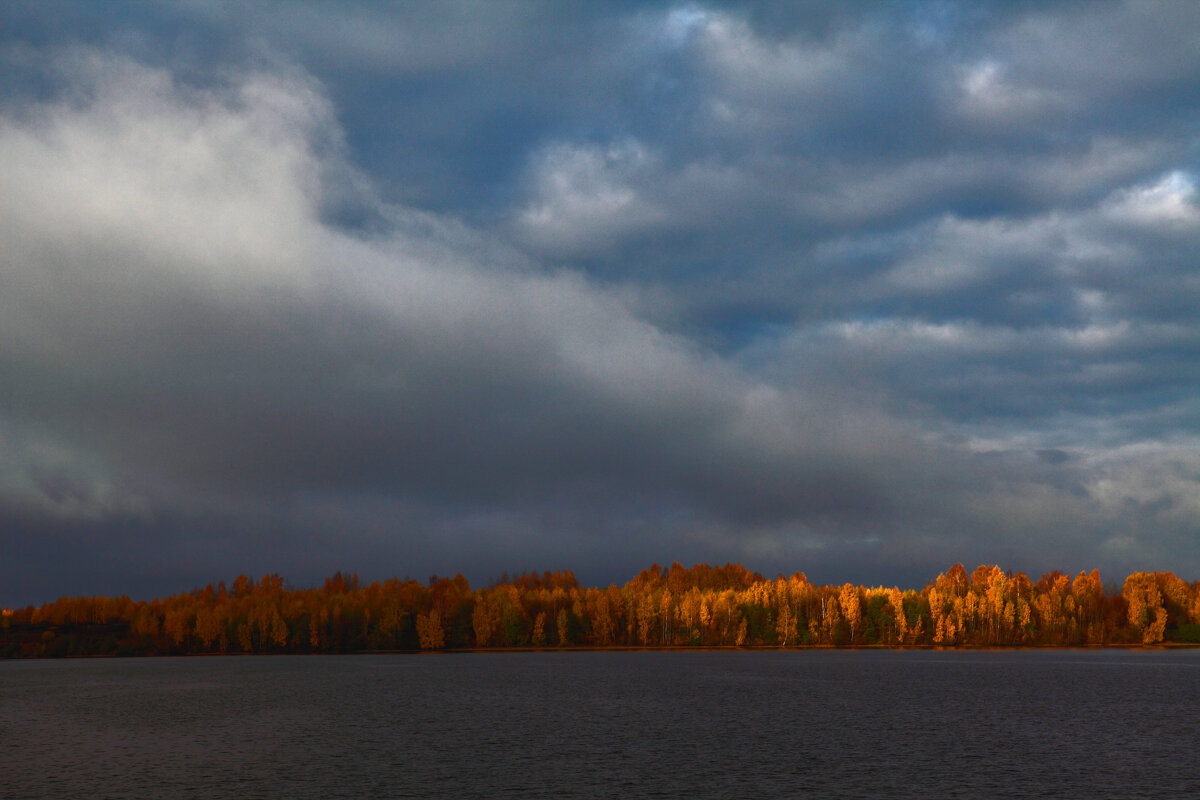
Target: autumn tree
{"type": "Point", "coordinates": [851, 607]}
{"type": "Point", "coordinates": [1147, 616]}
{"type": "Point", "coordinates": [538, 638]}
{"type": "Point", "coordinates": [700, 605]}
{"type": "Point", "coordinates": [209, 625]}
{"type": "Point", "coordinates": [563, 624]}
{"type": "Point", "coordinates": [177, 622]}
{"type": "Point", "coordinates": [430, 631]}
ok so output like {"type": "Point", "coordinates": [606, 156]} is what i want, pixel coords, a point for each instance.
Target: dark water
{"type": "Point", "coordinates": [862, 724]}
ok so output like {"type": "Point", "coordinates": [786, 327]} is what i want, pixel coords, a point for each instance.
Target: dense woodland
{"type": "Point", "coordinates": [701, 606]}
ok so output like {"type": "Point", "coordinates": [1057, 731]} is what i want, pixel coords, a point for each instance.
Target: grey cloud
{"type": "Point", "coordinates": [685, 282]}
{"type": "Point", "coordinates": [313, 361]}
{"type": "Point", "coordinates": [1146, 47]}
{"type": "Point", "coordinates": [788, 190]}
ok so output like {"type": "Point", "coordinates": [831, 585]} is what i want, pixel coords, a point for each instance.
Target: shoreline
{"type": "Point", "coordinates": [628, 649]}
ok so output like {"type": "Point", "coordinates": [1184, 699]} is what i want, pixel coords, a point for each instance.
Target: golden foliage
{"type": "Point", "coordinates": [698, 605]}
{"type": "Point", "coordinates": [430, 631]}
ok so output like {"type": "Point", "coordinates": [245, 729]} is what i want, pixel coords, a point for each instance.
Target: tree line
{"type": "Point", "coordinates": [698, 606]}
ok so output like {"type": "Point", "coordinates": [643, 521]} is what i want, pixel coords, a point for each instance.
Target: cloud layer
{"type": "Point", "coordinates": [858, 292]}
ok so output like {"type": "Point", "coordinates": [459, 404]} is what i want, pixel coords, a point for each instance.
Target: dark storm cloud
{"type": "Point", "coordinates": [859, 290]}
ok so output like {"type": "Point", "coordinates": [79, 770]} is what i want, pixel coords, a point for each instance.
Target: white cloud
{"type": "Point", "coordinates": [682, 23]}
{"type": "Point", "coordinates": [990, 95]}
{"type": "Point", "coordinates": [587, 198]}
{"type": "Point", "coordinates": [213, 188]}
{"type": "Point", "coordinates": [961, 253]}
{"type": "Point", "coordinates": [1168, 203]}
{"type": "Point", "coordinates": [748, 66]}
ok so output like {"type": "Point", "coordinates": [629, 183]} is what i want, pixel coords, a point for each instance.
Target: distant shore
{"type": "Point", "coordinates": [673, 609]}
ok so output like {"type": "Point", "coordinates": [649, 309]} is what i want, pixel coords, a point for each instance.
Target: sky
{"type": "Point", "coordinates": [857, 289]}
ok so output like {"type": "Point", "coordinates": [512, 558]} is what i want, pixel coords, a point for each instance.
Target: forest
{"type": "Point", "coordinates": [676, 607]}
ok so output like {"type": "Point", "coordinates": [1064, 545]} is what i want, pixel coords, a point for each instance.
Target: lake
{"type": "Point", "coordinates": [704, 724]}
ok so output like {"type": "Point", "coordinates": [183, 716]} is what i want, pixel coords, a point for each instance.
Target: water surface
{"type": "Point", "coordinates": [879, 724]}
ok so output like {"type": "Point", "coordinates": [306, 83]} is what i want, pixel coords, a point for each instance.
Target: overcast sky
{"type": "Point", "coordinates": [860, 289]}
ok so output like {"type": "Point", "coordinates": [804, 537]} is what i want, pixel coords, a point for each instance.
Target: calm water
{"type": "Point", "coordinates": [862, 724]}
